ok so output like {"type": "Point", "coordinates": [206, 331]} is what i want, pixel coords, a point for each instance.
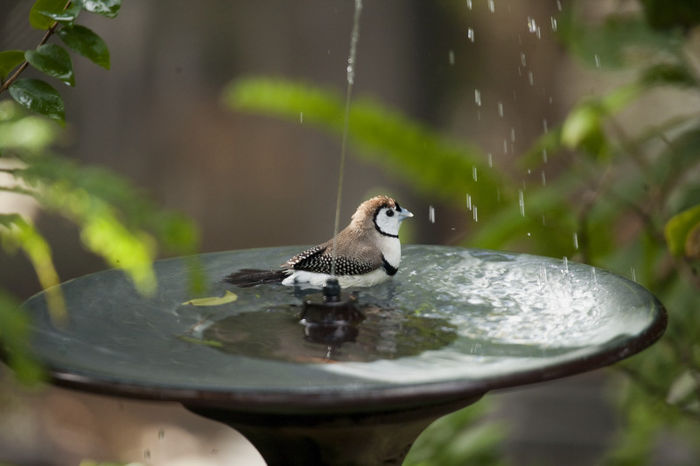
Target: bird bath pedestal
{"type": "Point", "coordinates": [453, 324]}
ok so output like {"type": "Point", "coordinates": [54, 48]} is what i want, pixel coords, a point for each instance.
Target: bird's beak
{"type": "Point", "coordinates": [405, 213]}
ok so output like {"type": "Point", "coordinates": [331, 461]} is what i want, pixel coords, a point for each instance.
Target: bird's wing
{"type": "Point", "coordinates": [318, 259]}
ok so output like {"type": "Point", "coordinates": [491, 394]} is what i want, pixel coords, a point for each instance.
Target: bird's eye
{"type": "Point", "coordinates": [389, 213]}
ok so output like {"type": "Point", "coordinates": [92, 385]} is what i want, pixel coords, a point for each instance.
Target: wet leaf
{"type": "Point", "coordinates": [228, 297]}
{"type": "Point", "coordinates": [678, 232]}
{"type": "Point", "coordinates": [37, 15]}
{"type": "Point", "coordinates": [86, 43]}
{"type": "Point", "coordinates": [9, 60]}
{"type": "Point", "coordinates": [53, 60]}
{"type": "Point", "coordinates": [108, 8]}
{"type": "Point", "coordinates": [38, 96]}
{"type": "Point", "coordinates": [68, 15]}
{"type": "Point", "coordinates": [14, 332]}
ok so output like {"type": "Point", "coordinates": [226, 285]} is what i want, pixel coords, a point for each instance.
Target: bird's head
{"type": "Point", "coordinates": [381, 213]}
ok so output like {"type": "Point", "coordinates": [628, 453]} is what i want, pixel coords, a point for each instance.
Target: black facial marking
{"type": "Point", "coordinates": [390, 269]}
{"type": "Point", "coordinates": [398, 207]}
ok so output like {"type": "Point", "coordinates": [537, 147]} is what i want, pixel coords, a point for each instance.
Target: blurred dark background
{"type": "Point", "coordinates": [251, 181]}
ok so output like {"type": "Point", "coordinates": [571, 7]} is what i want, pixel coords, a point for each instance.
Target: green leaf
{"type": "Point", "coordinates": [16, 232]}
{"type": "Point", "coordinates": [68, 15]}
{"type": "Point", "coordinates": [86, 43]}
{"type": "Point", "coordinates": [108, 8]}
{"type": "Point", "coordinates": [228, 297]}
{"type": "Point", "coordinates": [682, 233]}
{"type": "Point", "coordinates": [14, 334]}
{"type": "Point", "coordinates": [53, 60]}
{"type": "Point", "coordinates": [38, 96]}
{"type": "Point", "coordinates": [619, 40]}
{"type": "Point", "coordinates": [9, 60]}
{"type": "Point", "coordinates": [668, 74]}
{"type": "Point", "coordinates": [37, 15]}
{"type": "Point", "coordinates": [432, 162]}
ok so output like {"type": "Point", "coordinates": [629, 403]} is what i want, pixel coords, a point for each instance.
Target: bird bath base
{"type": "Point", "coordinates": [452, 325]}
{"type": "Point", "coordinates": [336, 439]}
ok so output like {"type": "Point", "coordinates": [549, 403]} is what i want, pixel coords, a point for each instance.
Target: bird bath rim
{"type": "Point", "coordinates": [355, 396]}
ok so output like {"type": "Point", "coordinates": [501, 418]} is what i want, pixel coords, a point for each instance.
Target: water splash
{"type": "Point", "coordinates": [348, 95]}
{"type": "Point", "coordinates": [531, 25]}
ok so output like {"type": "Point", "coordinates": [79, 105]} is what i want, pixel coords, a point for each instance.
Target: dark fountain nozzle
{"type": "Point", "coordinates": [332, 321]}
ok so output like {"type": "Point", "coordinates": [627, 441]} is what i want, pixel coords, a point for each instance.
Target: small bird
{"type": "Point", "coordinates": [366, 252]}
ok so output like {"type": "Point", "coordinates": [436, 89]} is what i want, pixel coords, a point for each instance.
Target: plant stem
{"type": "Point", "coordinates": [6, 85]}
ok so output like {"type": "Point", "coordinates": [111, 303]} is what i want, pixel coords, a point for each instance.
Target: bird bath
{"type": "Point", "coordinates": [453, 324]}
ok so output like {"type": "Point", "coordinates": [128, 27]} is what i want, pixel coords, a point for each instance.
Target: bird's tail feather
{"type": "Point", "coordinates": [250, 277]}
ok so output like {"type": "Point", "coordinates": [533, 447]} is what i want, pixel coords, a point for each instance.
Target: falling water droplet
{"type": "Point", "coordinates": [531, 24]}
{"type": "Point", "coordinates": [544, 179]}
{"type": "Point", "coordinates": [431, 214]}
{"type": "Point", "coordinates": [539, 33]}
{"type": "Point", "coordinates": [531, 78]}
{"type": "Point", "coordinates": [545, 125]}
{"type": "Point", "coordinates": [521, 202]}
{"type": "Point", "coordinates": [634, 274]}
{"type": "Point", "coordinates": [566, 264]}
{"type": "Point", "coordinates": [500, 109]}
{"type": "Point", "coordinates": [469, 202]}
{"type": "Point", "coordinates": [576, 241]}
{"type": "Point", "coordinates": [470, 34]}
{"type": "Point", "coordinates": [492, 6]}
{"type": "Point", "coordinates": [451, 57]}
{"type": "Point", "coordinates": [161, 434]}
{"type": "Point", "coordinates": [477, 97]}
{"type": "Point", "coordinates": [474, 174]}
{"type": "Point", "coordinates": [512, 134]}
{"type": "Point", "coordinates": [529, 235]}
{"type": "Point", "coordinates": [505, 146]}
{"type": "Point", "coordinates": [596, 58]}
{"type": "Point", "coordinates": [469, 4]}
{"type": "Point", "coordinates": [554, 23]}
{"type": "Point", "coordinates": [301, 117]}
{"type": "Point", "coordinates": [490, 159]}
{"type": "Point", "coordinates": [475, 214]}
{"type": "Point", "coordinates": [147, 454]}
{"type": "Point", "coordinates": [544, 155]}
{"type": "Point", "coordinates": [523, 59]}
{"type": "Point", "coordinates": [559, 5]}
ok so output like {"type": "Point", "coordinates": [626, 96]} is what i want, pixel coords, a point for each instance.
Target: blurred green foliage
{"type": "Point", "coordinates": [116, 221]}
{"type": "Point", "coordinates": [627, 199]}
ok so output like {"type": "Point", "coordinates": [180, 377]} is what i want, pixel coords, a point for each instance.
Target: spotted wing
{"type": "Point", "coordinates": [316, 260]}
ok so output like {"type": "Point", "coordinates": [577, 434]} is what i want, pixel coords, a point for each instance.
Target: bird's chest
{"type": "Point", "coordinates": [391, 250]}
